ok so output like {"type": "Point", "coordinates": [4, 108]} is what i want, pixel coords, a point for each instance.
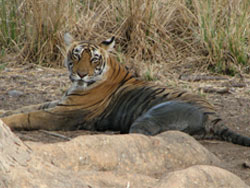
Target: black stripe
{"type": "Point", "coordinates": [215, 121]}
{"type": "Point", "coordinates": [209, 113]}
{"type": "Point", "coordinates": [125, 79]}
{"type": "Point", "coordinates": [158, 91]}
{"type": "Point", "coordinates": [74, 94]}
{"type": "Point", "coordinates": [108, 42]}
{"type": "Point", "coordinates": [68, 105]}
{"type": "Point", "coordinates": [180, 94]}
{"type": "Point", "coordinates": [165, 95]}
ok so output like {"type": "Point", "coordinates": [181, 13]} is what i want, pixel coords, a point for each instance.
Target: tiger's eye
{"type": "Point", "coordinates": [76, 50]}
{"type": "Point", "coordinates": [70, 64]}
{"type": "Point", "coordinates": [94, 60]}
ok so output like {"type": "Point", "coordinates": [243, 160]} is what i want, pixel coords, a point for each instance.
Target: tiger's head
{"type": "Point", "coordinates": [86, 61]}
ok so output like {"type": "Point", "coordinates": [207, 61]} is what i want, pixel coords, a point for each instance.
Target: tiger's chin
{"type": "Point", "coordinates": [84, 84]}
{"type": "Point", "coordinates": [81, 85]}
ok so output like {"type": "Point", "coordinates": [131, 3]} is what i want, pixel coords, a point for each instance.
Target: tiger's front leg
{"type": "Point", "coordinates": [30, 108]}
{"type": "Point", "coordinates": [57, 118]}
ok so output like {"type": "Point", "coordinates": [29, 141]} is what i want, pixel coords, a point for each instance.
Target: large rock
{"type": "Point", "coordinates": [13, 153]}
{"type": "Point", "coordinates": [110, 161]}
{"type": "Point", "coordinates": [133, 153]}
{"type": "Point", "coordinates": [19, 167]}
{"type": "Point", "coordinates": [201, 176]}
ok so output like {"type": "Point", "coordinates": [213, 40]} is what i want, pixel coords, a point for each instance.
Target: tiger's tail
{"type": "Point", "coordinates": [229, 135]}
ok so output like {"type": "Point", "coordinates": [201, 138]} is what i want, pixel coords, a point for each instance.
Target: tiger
{"type": "Point", "coordinates": [105, 96]}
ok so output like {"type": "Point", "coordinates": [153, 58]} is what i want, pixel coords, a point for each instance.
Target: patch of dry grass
{"type": "Point", "coordinates": [210, 34]}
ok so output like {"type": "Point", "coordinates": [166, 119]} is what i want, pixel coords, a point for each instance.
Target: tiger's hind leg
{"type": "Point", "coordinates": [172, 115]}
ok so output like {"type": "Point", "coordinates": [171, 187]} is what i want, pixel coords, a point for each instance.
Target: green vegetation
{"type": "Point", "coordinates": [148, 76]}
{"type": "Point", "coordinates": [215, 33]}
{"type": "Point", "coordinates": [2, 66]}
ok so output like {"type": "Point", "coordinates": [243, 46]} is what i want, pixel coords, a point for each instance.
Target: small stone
{"type": "Point", "coordinates": [15, 93]}
{"type": "Point", "coordinates": [7, 70]}
{"type": "Point", "coordinates": [39, 69]}
{"type": "Point", "coordinates": [246, 164]}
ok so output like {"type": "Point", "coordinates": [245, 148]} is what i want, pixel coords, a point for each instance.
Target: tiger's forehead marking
{"type": "Point", "coordinates": [93, 49]}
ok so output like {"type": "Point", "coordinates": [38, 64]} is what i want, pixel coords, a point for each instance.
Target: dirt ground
{"type": "Point", "coordinates": [31, 84]}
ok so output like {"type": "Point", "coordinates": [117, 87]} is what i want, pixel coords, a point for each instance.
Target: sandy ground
{"type": "Point", "coordinates": [31, 84]}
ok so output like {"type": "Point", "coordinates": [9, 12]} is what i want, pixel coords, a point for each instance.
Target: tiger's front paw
{"type": "Point", "coordinates": [17, 121]}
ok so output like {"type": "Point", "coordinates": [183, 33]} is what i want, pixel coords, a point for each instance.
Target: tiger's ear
{"type": "Point", "coordinates": [108, 44]}
{"type": "Point", "coordinates": [68, 39]}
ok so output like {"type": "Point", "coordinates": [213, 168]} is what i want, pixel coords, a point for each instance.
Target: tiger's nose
{"type": "Point", "coordinates": [81, 74]}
